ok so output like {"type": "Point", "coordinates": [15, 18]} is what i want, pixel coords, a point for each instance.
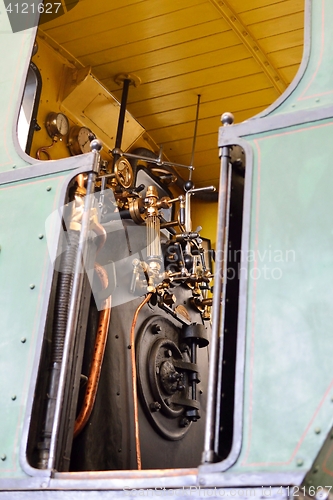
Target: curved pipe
{"type": "Point", "coordinates": [134, 380]}
{"type": "Point", "coordinates": [100, 232]}
{"type": "Point", "coordinates": [96, 364]}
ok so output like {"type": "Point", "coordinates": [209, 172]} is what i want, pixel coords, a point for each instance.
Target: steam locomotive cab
{"type": "Point", "coordinates": [126, 343]}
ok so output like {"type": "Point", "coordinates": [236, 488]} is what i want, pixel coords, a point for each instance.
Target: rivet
{"type": "Point", "coordinates": [317, 100]}
{"type": "Point", "coordinates": [317, 430]}
{"type": "Point", "coordinates": [332, 399]}
{"type": "Point", "coordinates": [48, 188]}
{"type": "Point", "coordinates": [316, 469]}
{"type": "Point", "coordinates": [32, 286]}
{"type": "Point", "coordinates": [202, 482]}
{"type": "Point", "coordinates": [23, 340]}
{"type": "Point", "coordinates": [41, 236]}
{"type": "Point", "coordinates": [14, 166]}
{"type": "Point", "coordinates": [3, 457]}
{"type": "Point", "coordinates": [299, 462]}
{"type": "Point", "coordinates": [14, 397]}
{"type": "Point", "coordinates": [119, 450]}
{"type": "Point", "coordinates": [128, 347]}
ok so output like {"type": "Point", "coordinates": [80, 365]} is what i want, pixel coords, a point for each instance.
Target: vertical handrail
{"type": "Point", "coordinates": [218, 308]}
{"type": "Point", "coordinates": [73, 310]}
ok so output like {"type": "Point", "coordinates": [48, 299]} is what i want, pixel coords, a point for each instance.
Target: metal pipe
{"type": "Point", "coordinates": [195, 136]}
{"type": "Point", "coordinates": [100, 232]}
{"type": "Point", "coordinates": [73, 312]}
{"type": "Point", "coordinates": [134, 380]}
{"type": "Point", "coordinates": [121, 119]}
{"type": "Point", "coordinates": [96, 364]}
{"type": "Point", "coordinates": [218, 306]}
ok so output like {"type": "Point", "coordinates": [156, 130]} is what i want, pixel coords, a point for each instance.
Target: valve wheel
{"type": "Point", "coordinates": [123, 172]}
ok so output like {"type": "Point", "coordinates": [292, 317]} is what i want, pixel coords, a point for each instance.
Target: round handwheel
{"type": "Point", "coordinates": [123, 172]}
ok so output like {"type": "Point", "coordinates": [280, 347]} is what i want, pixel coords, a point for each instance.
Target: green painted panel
{"type": "Point", "coordinates": [16, 61]}
{"type": "Point", "coordinates": [24, 266]}
{"type": "Point", "coordinates": [316, 86]}
{"type": "Point", "coordinates": [289, 380]}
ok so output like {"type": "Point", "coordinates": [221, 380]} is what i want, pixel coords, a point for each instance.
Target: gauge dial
{"type": "Point", "coordinates": [79, 140]}
{"type": "Point", "coordinates": [57, 124]}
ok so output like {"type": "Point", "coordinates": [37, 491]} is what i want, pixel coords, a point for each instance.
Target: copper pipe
{"type": "Point", "coordinates": [96, 364]}
{"type": "Point", "coordinates": [44, 149]}
{"type": "Point", "coordinates": [101, 234]}
{"type": "Point", "coordinates": [80, 180]}
{"type": "Point", "coordinates": [134, 380]}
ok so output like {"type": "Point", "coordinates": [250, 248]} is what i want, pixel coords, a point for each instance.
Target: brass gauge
{"type": "Point", "coordinates": [79, 140]}
{"type": "Point", "coordinates": [57, 124]}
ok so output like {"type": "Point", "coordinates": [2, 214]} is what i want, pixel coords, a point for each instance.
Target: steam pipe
{"type": "Point", "coordinates": [134, 380]}
{"type": "Point", "coordinates": [96, 364]}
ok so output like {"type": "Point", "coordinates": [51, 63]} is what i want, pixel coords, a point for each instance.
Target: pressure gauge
{"type": "Point", "coordinates": [79, 140]}
{"type": "Point", "coordinates": [57, 124]}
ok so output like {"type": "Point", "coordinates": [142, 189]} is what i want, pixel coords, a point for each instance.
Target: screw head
{"type": "Point", "coordinates": [32, 286]}
{"type": "Point", "coordinates": [3, 457]}
{"type": "Point", "coordinates": [155, 406]}
{"type": "Point", "coordinates": [41, 236]}
{"type": "Point", "coordinates": [156, 329]}
{"type": "Point", "coordinates": [184, 422]}
{"type": "Point", "coordinates": [13, 397]}
{"type": "Point", "coordinates": [299, 462]}
{"type": "Point", "coordinates": [48, 188]}
{"type": "Point", "coordinates": [317, 430]}
{"type": "Point", "coordinates": [23, 340]}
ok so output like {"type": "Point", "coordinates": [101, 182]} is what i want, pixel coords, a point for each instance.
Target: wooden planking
{"type": "Point", "coordinates": [283, 41]}
{"type": "Point", "coordinates": [106, 35]}
{"type": "Point", "coordinates": [164, 43]}
{"type": "Point", "coordinates": [241, 6]}
{"type": "Point", "coordinates": [283, 24]}
{"type": "Point", "coordinates": [193, 81]}
{"type": "Point", "coordinates": [220, 90]}
{"type": "Point", "coordinates": [181, 115]}
{"type": "Point", "coordinates": [290, 71]}
{"type": "Point", "coordinates": [166, 55]}
{"type": "Point", "coordinates": [270, 12]}
{"type": "Point", "coordinates": [178, 147]}
{"type": "Point", "coordinates": [287, 57]}
{"type": "Point", "coordinates": [86, 9]}
{"type": "Point", "coordinates": [180, 49]}
{"type": "Point", "coordinates": [208, 125]}
{"type": "Point", "coordinates": [124, 17]}
{"type": "Point", "coordinates": [202, 62]}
